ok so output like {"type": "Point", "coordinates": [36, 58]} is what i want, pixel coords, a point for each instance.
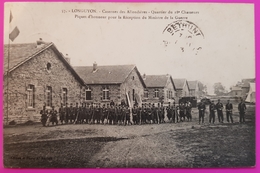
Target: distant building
{"type": "Point", "coordinates": [182, 88]}
{"type": "Point", "coordinates": [236, 91]}
{"type": "Point", "coordinates": [196, 89]}
{"type": "Point", "coordinates": [113, 82]}
{"type": "Point", "coordinates": [159, 88]}
{"type": "Point", "coordinates": [38, 75]}
{"type": "Point", "coordinates": [241, 89]}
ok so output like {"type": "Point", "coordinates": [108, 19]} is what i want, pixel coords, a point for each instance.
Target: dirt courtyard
{"type": "Point", "coordinates": [167, 145]}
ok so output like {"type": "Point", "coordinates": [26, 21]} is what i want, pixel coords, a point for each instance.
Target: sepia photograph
{"type": "Point", "coordinates": [129, 85]}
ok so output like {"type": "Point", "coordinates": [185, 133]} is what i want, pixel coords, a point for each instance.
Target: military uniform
{"type": "Point", "coordinates": [62, 113]}
{"type": "Point", "coordinates": [182, 111]}
{"type": "Point", "coordinates": [71, 114]}
{"type": "Point", "coordinates": [44, 116]}
{"type": "Point", "coordinates": [135, 115]}
{"type": "Point", "coordinates": [242, 111]}
{"type": "Point", "coordinates": [76, 114]}
{"type": "Point", "coordinates": [67, 111]}
{"type": "Point", "coordinates": [53, 116]}
{"type": "Point", "coordinates": [169, 112]}
{"type": "Point", "coordinates": [143, 114]}
{"type": "Point", "coordinates": [212, 108]}
{"type": "Point", "coordinates": [188, 111]}
{"type": "Point", "coordinates": [229, 109]}
{"type": "Point", "coordinates": [219, 107]}
{"type": "Point", "coordinates": [201, 108]}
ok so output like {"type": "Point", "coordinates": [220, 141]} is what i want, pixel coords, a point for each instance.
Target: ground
{"type": "Point", "coordinates": [186, 144]}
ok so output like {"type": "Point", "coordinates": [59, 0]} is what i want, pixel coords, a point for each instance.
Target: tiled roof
{"type": "Point", "coordinates": [179, 83]}
{"type": "Point", "coordinates": [111, 74]}
{"type": "Point", "coordinates": [192, 84]}
{"type": "Point", "coordinates": [20, 53]}
{"type": "Point", "coordinates": [159, 81]}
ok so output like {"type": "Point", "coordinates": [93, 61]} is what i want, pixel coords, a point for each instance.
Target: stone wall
{"type": "Point", "coordinates": [34, 72]}
{"type": "Point", "coordinates": [97, 94]}
{"type": "Point", "coordinates": [132, 82]}
{"type": "Point", "coordinates": [117, 92]}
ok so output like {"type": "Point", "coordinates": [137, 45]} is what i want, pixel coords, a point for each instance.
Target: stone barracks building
{"type": "Point", "coordinates": [38, 74]}
{"type": "Point", "coordinates": [113, 82]}
{"type": "Point", "coordinates": [159, 88]}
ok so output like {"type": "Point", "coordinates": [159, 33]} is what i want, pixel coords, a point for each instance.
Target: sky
{"type": "Point", "coordinates": [225, 52]}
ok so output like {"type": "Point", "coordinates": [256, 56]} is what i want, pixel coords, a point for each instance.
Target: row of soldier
{"type": "Point", "coordinates": [116, 114]}
{"type": "Point", "coordinates": [218, 108]}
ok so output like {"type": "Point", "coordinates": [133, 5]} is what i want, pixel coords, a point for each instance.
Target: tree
{"type": "Point", "coordinates": [219, 89]}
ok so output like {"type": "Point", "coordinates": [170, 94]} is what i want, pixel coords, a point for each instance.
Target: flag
{"type": "Point", "coordinates": [11, 17]}
{"type": "Point", "coordinates": [15, 32]}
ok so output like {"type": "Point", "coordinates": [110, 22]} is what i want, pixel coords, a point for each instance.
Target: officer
{"type": "Point", "coordinates": [84, 114]}
{"type": "Point", "coordinates": [229, 109]}
{"type": "Point", "coordinates": [212, 108]}
{"type": "Point", "coordinates": [92, 114]}
{"type": "Point", "coordinates": [182, 111]}
{"type": "Point", "coordinates": [62, 113]}
{"type": "Point", "coordinates": [44, 115]}
{"type": "Point", "coordinates": [87, 114]}
{"type": "Point", "coordinates": [112, 103]}
{"type": "Point", "coordinates": [201, 108]}
{"type": "Point", "coordinates": [76, 113]}
{"type": "Point", "coordinates": [118, 114]}
{"type": "Point", "coordinates": [97, 114]}
{"type": "Point", "coordinates": [66, 113]}
{"type": "Point", "coordinates": [71, 113]}
{"type": "Point", "coordinates": [112, 115]}
{"type": "Point", "coordinates": [242, 111]}
{"type": "Point", "coordinates": [53, 116]}
{"type": "Point", "coordinates": [219, 107]}
{"type": "Point", "coordinates": [143, 112]}
{"type": "Point", "coordinates": [169, 112]}
{"type": "Point", "coordinates": [102, 113]}
{"type": "Point", "coordinates": [174, 112]}
{"type": "Point", "coordinates": [135, 112]}
{"type": "Point", "coordinates": [127, 115]}
{"type": "Point", "coordinates": [149, 113]}
{"type": "Point", "coordinates": [188, 110]}
{"type": "Point", "coordinates": [161, 113]}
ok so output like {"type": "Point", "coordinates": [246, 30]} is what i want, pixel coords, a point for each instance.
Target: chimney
{"type": "Point", "coordinates": [40, 43]}
{"type": "Point", "coordinates": [67, 58]}
{"type": "Point", "coordinates": [94, 66]}
{"type": "Point", "coordinates": [144, 76]}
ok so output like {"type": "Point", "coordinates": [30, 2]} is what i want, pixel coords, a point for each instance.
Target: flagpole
{"type": "Point", "coordinates": [8, 62]}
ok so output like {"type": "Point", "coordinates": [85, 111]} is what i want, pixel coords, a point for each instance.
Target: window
{"type": "Point", "coordinates": [105, 93]}
{"type": "Point", "coordinates": [156, 93]}
{"type": "Point", "coordinates": [48, 66]}
{"type": "Point", "coordinates": [88, 94]}
{"type": "Point", "coordinates": [64, 96]}
{"type": "Point", "coordinates": [133, 78]}
{"type": "Point", "coordinates": [49, 96]}
{"type": "Point", "coordinates": [145, 93]}
{"type": "Point", "coordinates": [133, 94]}
{"type": "Point", "coordinates": [30, 96]}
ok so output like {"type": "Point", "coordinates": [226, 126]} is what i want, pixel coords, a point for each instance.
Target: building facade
{"type": "Point", "coordinates": [182, 88]}
{"type": "Point", "coordinates": [196, 89]}
{"type": "Point", "coordinates": [118, 83]}
{"type": "Point", "coordinates": [159, 89]}
{"type": "Point", "coordinates": [38, 75]}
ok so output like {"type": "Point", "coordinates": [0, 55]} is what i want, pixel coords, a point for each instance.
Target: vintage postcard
{"type": "Point", "coordinates": [129, 85]}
